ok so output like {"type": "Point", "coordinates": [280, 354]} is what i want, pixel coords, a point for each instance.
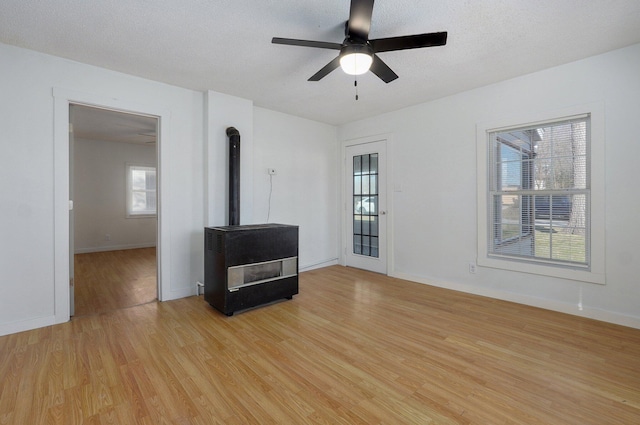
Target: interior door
{"type": "Point", "coordinates": [366, 202]}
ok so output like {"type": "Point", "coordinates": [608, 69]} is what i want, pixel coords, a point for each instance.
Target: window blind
{"type": "Point", "coordinates": [539, 192]}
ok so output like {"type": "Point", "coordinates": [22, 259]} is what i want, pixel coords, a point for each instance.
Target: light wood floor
{"type": "Point", "coordinates": [352, 348]}
{"type": "Point", "coordinates": [111, 280]}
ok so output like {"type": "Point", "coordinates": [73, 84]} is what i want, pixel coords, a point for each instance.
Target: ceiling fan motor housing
{"type": "Point", "coordinates": [350, 46]}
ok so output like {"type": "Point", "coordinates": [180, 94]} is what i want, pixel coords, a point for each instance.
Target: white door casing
{"type": "Point", "coordinates": [63, 98]}
{"type": "Point", "coordinates": [365, 205]}
{"type": "Point", "coordinates": [71, 218]}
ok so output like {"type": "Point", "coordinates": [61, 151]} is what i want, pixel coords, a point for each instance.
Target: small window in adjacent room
{"type": "Point", "coordinates": [541, 197]}
{"type": "Point", "coordinates": [141, 191]}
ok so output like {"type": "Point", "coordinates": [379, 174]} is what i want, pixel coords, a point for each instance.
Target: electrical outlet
{"type": "Point", "coordinates": [271, 171]}
{"type": "Point", "coordinates": [107, 237]}
{"type": "Point", "coordinates": [472, 268]}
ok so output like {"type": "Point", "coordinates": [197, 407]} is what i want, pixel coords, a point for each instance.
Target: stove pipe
{"type": "Point", "coordinates": [234, 176]}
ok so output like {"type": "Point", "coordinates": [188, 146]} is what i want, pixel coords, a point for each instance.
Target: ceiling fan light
{"type": "Point", "coordinates": [356, 63]}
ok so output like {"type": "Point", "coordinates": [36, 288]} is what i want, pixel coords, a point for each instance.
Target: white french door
{"type": "Point", "coordinates": [366, 206]}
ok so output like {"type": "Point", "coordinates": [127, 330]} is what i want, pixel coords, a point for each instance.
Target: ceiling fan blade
{"type": "Point", "coordinates": [359, 22]}
{"type": "Point", "coordinates": [409, 42]}
{"type": "Point", "coordinates": [382, 70]}
{"type": "Point", "coordinates": [326, 70]}
{"type": "Point", "coordinates": [306, 43]}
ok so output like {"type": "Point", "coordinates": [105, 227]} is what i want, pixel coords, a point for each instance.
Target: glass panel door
{"type": "Point", "coordinates": [365, 205]}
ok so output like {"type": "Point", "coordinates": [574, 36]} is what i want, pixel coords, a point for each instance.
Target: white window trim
{"type": "Point", "coordinates": [128, 212]}
{"type": "Point", "coordinates": [596, 272]}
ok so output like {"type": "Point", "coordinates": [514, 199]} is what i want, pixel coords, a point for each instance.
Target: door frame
{"type": "Point", "coordinates": [346, 207]}
{"type": "Point", "coordinates": [63, 98]}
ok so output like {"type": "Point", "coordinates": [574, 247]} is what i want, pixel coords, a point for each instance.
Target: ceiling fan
{"type": "Point", "coordinates": [358, 54]}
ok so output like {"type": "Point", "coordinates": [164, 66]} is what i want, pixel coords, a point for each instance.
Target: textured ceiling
{"type": "Point", "coordinates": [112, 126]}
{"type": "Point", "coordinates": [225, 45]}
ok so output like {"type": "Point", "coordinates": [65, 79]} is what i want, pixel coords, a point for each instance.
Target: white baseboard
{"type": "Point", "coordinates": [561, 307]}
{"type": "Point", "coordinates": [326, 263]}
{"type": "Point", "coordinates": [176, 294]}
{"type": "Point", "coordinates": [113, 248]}
{"type": "Point", "coordinates": [26, 325]}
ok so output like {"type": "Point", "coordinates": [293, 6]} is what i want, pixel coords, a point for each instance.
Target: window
{"type": "Point", "coordinates": [541, 195]}
{"type": "Point", "coordinates": [141, 191]}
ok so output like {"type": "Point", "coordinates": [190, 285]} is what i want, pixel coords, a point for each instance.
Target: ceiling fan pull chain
{"type": "Point", "coordinates": [355, 84]}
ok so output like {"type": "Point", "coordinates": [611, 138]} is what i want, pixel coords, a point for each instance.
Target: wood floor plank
{"type": "Point", "coordinates": [112, 280]}
{"type": "Point", "coordinates": [352, 348]}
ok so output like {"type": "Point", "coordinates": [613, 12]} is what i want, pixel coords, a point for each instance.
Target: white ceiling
{"type": "Point", "coordinates": [225, 45]}
{"type": "Point", "coordinates": [112, 126]}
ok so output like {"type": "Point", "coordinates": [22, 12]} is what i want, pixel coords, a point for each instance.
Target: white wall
{"type": "Point", "coordinates": [100, 197]}
{"type": "Point", "coordinates": [30, 163]}
{"type": "Point", "coordinates": [34, 168]}
{"type": "Point", "coordinates": [221, 112]}
{"type": "Point", "coordinates": [434, 146]}
{"type": "Point", "coordinates": [434, 216]}
{"type": "Point", "coordinates": [305, 156]}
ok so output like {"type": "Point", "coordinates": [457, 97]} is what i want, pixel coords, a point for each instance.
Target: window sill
{"type": "Point", "coordinates": [141, 216]}
{"type": "Point", "coordinates": [562, 272]}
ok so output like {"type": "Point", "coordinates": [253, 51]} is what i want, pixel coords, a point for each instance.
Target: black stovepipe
{"type": "Point", "coordinates": [234, 176]}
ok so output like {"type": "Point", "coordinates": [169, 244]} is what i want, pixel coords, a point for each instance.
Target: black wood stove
{"type": "Point", "coordinates": [246, 266]}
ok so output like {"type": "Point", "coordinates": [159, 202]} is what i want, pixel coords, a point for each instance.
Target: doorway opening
{"type": "Point", "coordinates": [113, 222]}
